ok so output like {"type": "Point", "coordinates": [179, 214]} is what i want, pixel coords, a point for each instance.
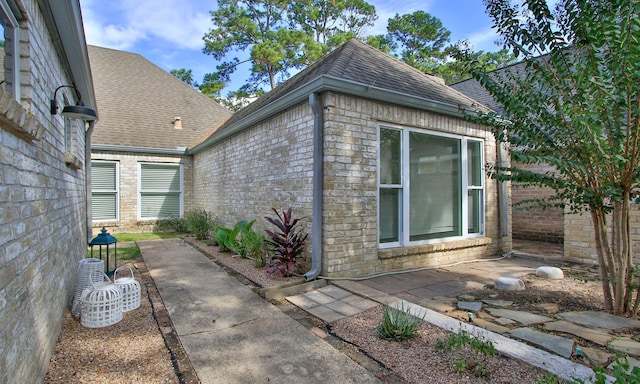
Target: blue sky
{"type": "Point", "coordinates": [169, 32]}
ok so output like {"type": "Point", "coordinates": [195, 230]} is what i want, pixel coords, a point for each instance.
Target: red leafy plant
{"type": "Point", "coordinates": [286, 244]}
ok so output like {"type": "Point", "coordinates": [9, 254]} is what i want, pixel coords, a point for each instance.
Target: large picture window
{"type": "Point", "coordinates": [104, 190]}
{"type": "Point", "coordinates": [431, 186]}
{"type": "Point", "coordinates": [160, 191]}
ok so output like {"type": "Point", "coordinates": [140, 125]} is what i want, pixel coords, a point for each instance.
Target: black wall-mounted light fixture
{"type": "Point", "coordinates": [78, 111]}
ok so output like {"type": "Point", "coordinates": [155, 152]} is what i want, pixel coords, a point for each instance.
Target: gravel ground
{"type": "Point", "coordinates": [143, 348]}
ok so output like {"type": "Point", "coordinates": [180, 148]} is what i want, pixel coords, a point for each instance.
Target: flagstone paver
{"type": "Point", "coordinates": [552, 343]}
{"type": "Point", "coordinates": [471, 306]}
{"type": "Point", "coordinates": [600, 320]}
{"type": "Point", "coordinates": [498, 303]}
{"type": "Point", "coordinates": [490, 326]}
{"type": "Point", "coordinates": [524, 318]}
{"type": "Point", "coordinates": [593, 335]}
{"type": "Point", "coordinates": [626, 345]}
{"type": "Point", "coordinates": [548, 308]}
{"type": "Point", "coordinates": [597, 356]}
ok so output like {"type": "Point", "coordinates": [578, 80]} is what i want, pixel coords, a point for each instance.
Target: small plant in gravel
{"type": "Point", "coordinates": [231, 239]}
{"type": "Point", "coordinates": [622, 372]}
{"type": "Point", "coordinates": [285, 244]}
{"type": "Point", "coordinates": [461, 342]}
{"type": "Point", "coordinates": [398, 325]}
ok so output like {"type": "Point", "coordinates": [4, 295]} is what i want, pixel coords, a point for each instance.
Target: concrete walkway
{"type": "Point", "coordinates": [231, 334]}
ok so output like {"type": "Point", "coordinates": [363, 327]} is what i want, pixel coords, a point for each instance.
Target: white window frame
{"type": "Point", "coordinates": [404, 200]}
{"type": "Point", "coordinates": [140, 191]}
{"type": "Point", "coordinates": [10, 25]}
{"type": "Point", "coordinates": [116, 191]}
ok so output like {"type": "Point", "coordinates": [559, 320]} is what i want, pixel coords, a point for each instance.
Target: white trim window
{"type": "Point", "coordinates": [430, 186]}
{"type": "Point", "coordinates": [160, 191]}
{"type": "Point", "coordinates": [11, 37]}
{"type": "Point", "coordinates": [105, 190]}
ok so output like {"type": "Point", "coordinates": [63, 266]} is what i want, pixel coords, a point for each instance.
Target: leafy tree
{"type": "Point", "coordinates": [577, 108]}
{"type": "Point", "coordinates": [453, 70]}
{"type": "Point", "coordinates": [184, 75]}
{"type": "Point", "coordinates": [422, 38]}
{"type": "Point", "coordinates": [276, 36]}
{"type": "Point", "coordinates": [382, 43]}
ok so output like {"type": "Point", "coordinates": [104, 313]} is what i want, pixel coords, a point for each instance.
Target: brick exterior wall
{"type": "Point", "coordinates": [270, 165]}
{"type": "Point", "coordinates": [42, 210]}
{"type": "Point", "coordinates": [536, 223]}
{"type": "Point", "coordinates": [579, 240]}
{"type": "Point", "coordinates": [128, 204]}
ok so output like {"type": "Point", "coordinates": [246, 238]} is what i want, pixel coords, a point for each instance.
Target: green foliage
{"type": "Point", "coordinates": [286, 244]}
{"type": "Point", "coordinates": [199, 223]}
{"type": "Point", "coordinates": [231, 239]}
{"type": "Point", "coordinates": [548, 378]}
{"type": "Point", "coordinates": [173, 225]}
{"type": "Point", "coordinates": [622, 373]}
{"type": "Point", "coordinates": [462, 343]}
{"type": "Point", "coordinates": [398, 325]}
{"type": "Point", "coordinates": [574, 105]}
{"type": "Point", "coordinates": [184, 75]}
{"type": "Point", "coordinates": [279, 36]}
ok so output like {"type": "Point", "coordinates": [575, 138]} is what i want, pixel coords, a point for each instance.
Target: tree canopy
{"type": "Point", "coordinates": [576, 106]}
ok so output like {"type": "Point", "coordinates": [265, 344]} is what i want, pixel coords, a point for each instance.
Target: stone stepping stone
{"type": "Point", "coordinates": [552, 343]}
{"type": "Point", "coordinates": [548, 308]}
{"type": "Point", "coordinates": [509, 284]}
{"type": "Point", "coordinates": [498, 303]}
{"type": "Point", "coordinates": [550, 273]}
{"type": "Point", "coordinates": [489, 326]}
{"type": "Point", "coordinates": [470, 306]}
{"type": "Point", "coordinates": [600, 320]}
{"type": "Point", "coordinates": [524, 318]}
{"type": "Point", "coordinates": [597, 357]}
{"type": "Point", "coordinates": [592, 335]}
{"type": "Point", "coordinates": [504, 321]}
{"type": "Point", "coordinates": [438, 305]}
{"type": "Point", "coordinates": [626, 345]}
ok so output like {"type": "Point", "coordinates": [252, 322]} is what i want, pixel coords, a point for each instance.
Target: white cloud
{"type": "Point", "coordinates": [123, 23]}
{"type": "Point", "coordinates": [484, 40]}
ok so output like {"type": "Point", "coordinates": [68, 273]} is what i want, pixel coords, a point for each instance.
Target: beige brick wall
{"type": "Point", "coordinates": [270, 165]}
{"type": "Point", "coordinates": [42, 211]}
{"type": "Point", "coordinates": [536, 223]}
{"type": "Point", "coordinates": [128, 208]}
{"type": "Point", "coordinates": [579, 240]}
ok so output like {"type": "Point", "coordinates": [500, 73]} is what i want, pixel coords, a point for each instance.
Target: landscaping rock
{"type": "Point", "coordinates": [627, 346]}
{"type": "Point", "coordinates": [509, 284]}
{"type": "Point", "coordinates": [592, 335]}
{"type": "Point", "coordinates": [550, 273]}
{"type": "Point", "coordinates": [498, 303]}
{"type": "Point", "coordinates": [597, 357]}
{"type": "Point", "coordinates": [490, 326]}
{"type": "Point", "coordinates": [600, 320]}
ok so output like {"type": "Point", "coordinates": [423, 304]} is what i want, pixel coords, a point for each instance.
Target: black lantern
{"type": "Point", "coordinates": [109, 257]}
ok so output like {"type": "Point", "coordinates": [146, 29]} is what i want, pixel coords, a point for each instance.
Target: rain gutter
{"type": "Point", "coordinates": [318, 180]}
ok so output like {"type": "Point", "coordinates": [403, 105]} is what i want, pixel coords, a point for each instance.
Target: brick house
{"type": "Point", "coordinates": [374, 154]}
{"type": "Point", "coordinates": [140, 169]}
{"type": "Point", "coordinates": [43, 199]}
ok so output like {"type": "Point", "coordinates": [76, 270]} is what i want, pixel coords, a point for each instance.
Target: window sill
{"type": "Point", "coordinates": [389, 253]}
{"type": "Point", "coordinates": [72, 161]}
{"type": "Point", "coordinates": [17, 120]}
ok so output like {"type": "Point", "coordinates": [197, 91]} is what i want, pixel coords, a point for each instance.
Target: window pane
{"type": "Point", "coordinates": [390, 156]}
{"type": "Point", "coordinates": [103, 206]}
{"type": "Point", "coordinates": [474, 202]}
{"type": "Point", "coordinates": [103, 176]}
{"type": "Point", "coordinates": [435, 201]}
{"type": "Point", "coordinates": [474, 163]}
{"type": "Point", "coordinates": [389, 219]}
{"type": "Point", "coordinates": [160, 177]}
{"type": "Point", "coordinates": [159, 205]}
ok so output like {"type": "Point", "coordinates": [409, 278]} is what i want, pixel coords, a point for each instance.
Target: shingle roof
{"type": "Point", "coordinates": [357, 62]}
{"type": "Point", "coordinates": [139, 101]}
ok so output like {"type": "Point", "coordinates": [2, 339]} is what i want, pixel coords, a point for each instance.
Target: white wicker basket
{"type": "Point", "coordinates": [83, 280]}
{"type": "Point", "coordinates": [130, 288]}
{"type": "Point", "coordinates": [101, 304]}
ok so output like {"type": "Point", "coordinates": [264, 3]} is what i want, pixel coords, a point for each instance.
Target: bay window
{"type": "Point", "coordinates": [431, 186]}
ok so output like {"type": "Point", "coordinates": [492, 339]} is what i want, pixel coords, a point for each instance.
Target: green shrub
{"type": "Point", "coordinates": [232, 239]}
{"type": "Point", "coordinates": [398, 325]}
{"type": "Point", "coordinates": [199, 223]}
{"type": "Point", "coordinates": [175, 225]}
{"type": "Point", "coordinates": [622, 372]}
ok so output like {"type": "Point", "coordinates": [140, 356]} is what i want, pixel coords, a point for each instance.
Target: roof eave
{"type": "Point", "coordinates": [121, 148]}
{"type": "Point", "coordinates": [330, 83]}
